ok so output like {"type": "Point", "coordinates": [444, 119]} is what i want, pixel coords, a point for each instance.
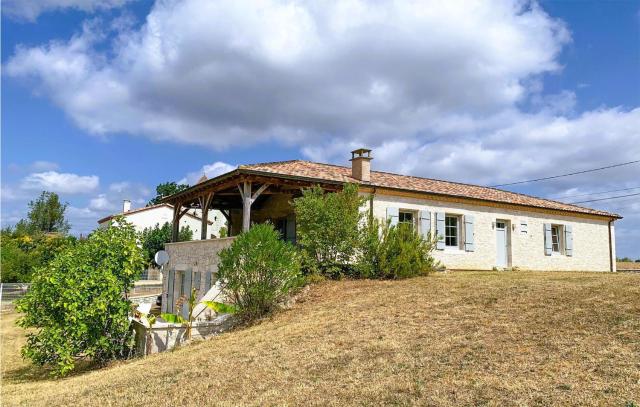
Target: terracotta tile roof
{"type": "Point", "coordinates": [335, 173]}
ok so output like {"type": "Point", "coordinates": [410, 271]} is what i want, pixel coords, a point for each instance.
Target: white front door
{"type": "Point", "coordinates": [502, 257]}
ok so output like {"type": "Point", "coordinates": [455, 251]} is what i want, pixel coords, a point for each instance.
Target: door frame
{"type": "Point", "coordinates": [507, 229]}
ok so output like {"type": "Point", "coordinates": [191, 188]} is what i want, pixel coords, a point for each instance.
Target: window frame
{"type": "Point", "coordinates": [405, 212]}
{"type": "Point", "coordinates": [457, 228]}
{"type": "Point", "coordinates": [559, 239]}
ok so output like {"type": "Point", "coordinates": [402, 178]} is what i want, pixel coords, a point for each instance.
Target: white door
{"type": "Point", "coordinates": [501, 244]}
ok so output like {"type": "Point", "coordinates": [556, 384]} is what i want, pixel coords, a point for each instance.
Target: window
{"type": "Point", "coordinates": [556, 238]}
{"type": "Point", "coordinates": [451, 231]}
{"type": "Point", "coordinates": [406, 217]}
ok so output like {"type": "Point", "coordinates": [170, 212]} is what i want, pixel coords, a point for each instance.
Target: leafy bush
{"type": "Point", "coordinates": [78, 302]}
{"type": "Point", "coordinates": [259, 270]}
{"type": "Point", "coordinates": [154, 239]}
{"type": "Point", "coordinates": [328, 228]}
{"type": "Point", "coordinates": [394, 252]}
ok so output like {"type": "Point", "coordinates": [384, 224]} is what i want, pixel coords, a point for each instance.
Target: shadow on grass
{"type": "Point", "coordinates": [34, 373]}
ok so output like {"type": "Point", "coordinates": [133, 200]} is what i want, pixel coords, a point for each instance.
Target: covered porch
{"type": "Point", "coordinates": [244, 198]}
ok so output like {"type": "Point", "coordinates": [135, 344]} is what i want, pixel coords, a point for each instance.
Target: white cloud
{"type": "Point", "coordinates": [44, 166]}
{"type": "Point", "coordinates": [60, 182]}
{"type": "Point", "coordinates": [210, 170]}
{"type": "Point", "coordinates": [101, 203]}
{"type": "Point", "coordinates": [517, 147]}
{"type": "Point", "coordinates": [31, 9]}
{"type": "Point", "coordinates": [8, 193]}
{"type": "Point", "coordinates": [120, 187]}
{"type": "Point", "coordinates": [231, 73]}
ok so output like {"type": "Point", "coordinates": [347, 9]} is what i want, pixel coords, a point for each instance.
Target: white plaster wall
{"type": "Point", "coordinates": [590, 237]}
{"type": "Point", "coordinates": [163, 214]}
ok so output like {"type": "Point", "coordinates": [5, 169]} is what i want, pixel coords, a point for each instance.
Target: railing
{"type": "Point", "coordinates": [9, 292]}
{"type": "Point", "coordinates": [151, 274]}
{"type": "Point", "coordinates": [143, 287]}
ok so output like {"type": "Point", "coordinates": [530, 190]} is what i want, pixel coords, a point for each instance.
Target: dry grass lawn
{"type": "Point", "coordinates": [628, 265]}
{"type": "Point", "coordinates": [515, 338]}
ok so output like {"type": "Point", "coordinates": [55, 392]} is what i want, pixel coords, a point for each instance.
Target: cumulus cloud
{"type": "Point", "coordinates": [210, 170]}
{"type": "Point", "coordinates": [519, 146]}
{"type": "Point", "coordinates": [30, 9]}
{"type": "Point", "coordinates": [101, 203]}
{"type": "Point", "coordinates": [229, 73]}
{"type": "Point", "coordinates": [60, 182]}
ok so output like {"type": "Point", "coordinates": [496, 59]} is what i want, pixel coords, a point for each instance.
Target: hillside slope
{"type": "Point", "coordinates": [448, 339]}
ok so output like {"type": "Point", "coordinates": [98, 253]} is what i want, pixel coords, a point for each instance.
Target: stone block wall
{"type": "Point", "coordinates": [194, 263]}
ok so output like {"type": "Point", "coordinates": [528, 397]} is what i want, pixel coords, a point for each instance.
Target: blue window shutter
{"type": "Point", "coordinates": [393, 215]}
{"type": "Point", "coordinates": [440, 230]}
{"type": "Point", "coordinates": [547, 239]}
{"type": "Point", "coordinates": [196, 283]}
{"type": "Point", "coordinates": [187, 293]}
{"type": "Point", "coordinates": [523, 227]}
{"type": "Point", "coordinates": [207, 282]}
{"type": "Point", "coordinates": [425, 224]}
{"type": "Point", "coordinates": [568, 240]}
{"type": "Point", "coordinates": [468, 233]}
{"type": "Point", "coordinates": [171, 279]}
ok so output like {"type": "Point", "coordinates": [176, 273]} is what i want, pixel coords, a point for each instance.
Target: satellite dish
{"type": "Point", "coordinates": [161, 258]}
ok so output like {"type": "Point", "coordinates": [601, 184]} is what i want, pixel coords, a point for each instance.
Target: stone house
{"type": "Point", "coordinates": [478, 228]}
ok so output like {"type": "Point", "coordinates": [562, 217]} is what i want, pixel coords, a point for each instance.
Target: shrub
{"type": "Point", "coordinates": [78, 303]}
{"type": "Point", "coordinates": [394, 252]}
{"type": "Point", "coordinates": [154, 239]}
{"type": "Point", "coordinates": [328, 228]}
{"type": "Point", "coordinates": [259, 271]}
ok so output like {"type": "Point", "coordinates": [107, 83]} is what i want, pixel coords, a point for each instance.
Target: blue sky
{"type": "Point", "coordinates": [101, 101]}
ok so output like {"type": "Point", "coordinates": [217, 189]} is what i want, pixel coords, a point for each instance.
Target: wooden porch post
{"type": "Point", "coordinates": [247, 200]}
{"type": "Point", "coordinates": [227, 215]}
{"type": "Point", "coordinates": [246, 206]}
{"type": "Point", "coordinates": [205, 202]}
{"type": "Point", "coordinates": [175, 225]}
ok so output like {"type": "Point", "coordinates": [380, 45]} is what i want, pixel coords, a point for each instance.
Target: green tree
{"type": "Point", "coordinates": [23, 254]}
{"type": "Point", "coordinates": [46, 215]}
{"type": "Point", "coordinates": [166, 189]}
{"type": "Point", "coordinates": [76, 303]}
{"type": "Point", "coordinates": [260, 270]}
{"type": "Point", "coordinates": [154, 239]}
{"type": "Point", "coordinates": [328, 227]}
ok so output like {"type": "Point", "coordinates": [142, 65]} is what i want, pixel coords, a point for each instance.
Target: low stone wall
{"type": "Point", "coordinates": [145, 299]}
{"type": "Point", "coordinates": [196, 255]}
{"type": "Point", "coordinates": [191, 264]}
{"type": "Point", "coordinates": [164, 336]}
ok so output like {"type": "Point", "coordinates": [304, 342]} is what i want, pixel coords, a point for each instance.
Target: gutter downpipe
{"type": "Point", "coordinates": [610, 247]}
{"type": "Point", "coordinates": [373, 194]}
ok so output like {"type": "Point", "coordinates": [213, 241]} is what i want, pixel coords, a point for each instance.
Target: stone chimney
{"type": "Point", "coordinates": [361, 164]}
{"type": "Point", "coordinates": [126, 205]}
